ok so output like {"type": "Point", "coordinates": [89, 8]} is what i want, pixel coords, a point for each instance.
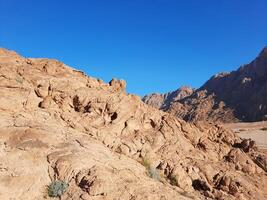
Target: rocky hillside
{"type": "Point", "coordinates": [162, 101]}
{"type": "Point", "coordinates": [66, 135]}
{"type": "Point", "coordinates": [228, 97]}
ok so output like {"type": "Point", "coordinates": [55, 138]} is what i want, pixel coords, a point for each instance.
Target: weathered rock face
{"type": "Point", "coordinates": [162, 101]}
{"type": "Point", "coordinates": [228, 97]}
{"type": "Point", "coordinates": [58, 124]}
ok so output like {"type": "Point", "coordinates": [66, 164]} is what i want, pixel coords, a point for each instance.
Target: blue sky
{"type": "Point", "coordinates": [155, 45]}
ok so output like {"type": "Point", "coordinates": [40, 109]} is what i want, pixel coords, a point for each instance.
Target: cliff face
{"type": "Point", "coordinates": [228, 97]}
{"type": "Point", "coordinates": [58, 124]}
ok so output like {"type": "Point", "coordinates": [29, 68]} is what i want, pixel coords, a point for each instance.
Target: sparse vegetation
{"type": "Point", "coordinates": [57, 188]}
{"type": "Point", "coordinates": [152, 172]}
{"type": "Point", "coordinates": [173, 180]}
{"type": "Point", "coordinates": [145, 163]}
{"type": "Point", "coordinates": [19, 80]}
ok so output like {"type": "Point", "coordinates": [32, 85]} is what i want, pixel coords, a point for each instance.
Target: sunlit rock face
{"type": "Point", "coordinates": [57, 124]}
{"type": "Point", "coordinates": [163, 101]}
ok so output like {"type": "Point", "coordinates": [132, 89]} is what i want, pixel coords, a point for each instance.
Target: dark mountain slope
{"type": "Point", "coordinates": [240, 95]}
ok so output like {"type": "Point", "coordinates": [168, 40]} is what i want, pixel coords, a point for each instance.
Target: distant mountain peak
{"type": "Point", "coordinates": [161, 101]}
{"type": "Point", "coordinates": [239, 95]}
{"type": "Point", "coordinates": [263, 52]}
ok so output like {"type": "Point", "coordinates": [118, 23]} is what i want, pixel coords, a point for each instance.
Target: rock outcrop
{"type": "Point", "coordinates": [163, 101]}
{"type": "Point", "coordinates": [228, 97]}
{"type": "Point", "coordinates": [58, 124]}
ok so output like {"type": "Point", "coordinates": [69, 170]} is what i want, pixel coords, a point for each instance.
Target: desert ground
{"type": "Point", "coordinates": [257, 131]}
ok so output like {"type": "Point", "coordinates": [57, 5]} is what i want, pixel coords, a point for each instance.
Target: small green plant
{"type": "Point", "coordinates": [57, 188]}
{"type": "Point", "coordinates": [145, 163]}
{"type": "Point", "coordinates": [173, 180]}
{"type": "Point", "coordinates": [19, 80]}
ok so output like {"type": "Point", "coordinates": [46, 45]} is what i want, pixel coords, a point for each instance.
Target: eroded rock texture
{"type": "Point", "coordinates": [58, 124]}
{"type": "Point", "coordinates": [164, 101]}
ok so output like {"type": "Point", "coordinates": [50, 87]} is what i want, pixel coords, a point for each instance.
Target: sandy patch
{"type": "Point", "coordinates": [257, 131]}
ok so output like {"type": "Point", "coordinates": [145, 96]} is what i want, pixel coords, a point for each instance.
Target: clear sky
{"type": "Point", "coordinates": [155, 45]}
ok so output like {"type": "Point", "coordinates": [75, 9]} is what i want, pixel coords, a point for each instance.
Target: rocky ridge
{"type": "Point", "coordinates": [162, 101]}
{"type": "Point", "coordinates": [59, 124]}
{"type": "Point", "coordinates": [240, 95]}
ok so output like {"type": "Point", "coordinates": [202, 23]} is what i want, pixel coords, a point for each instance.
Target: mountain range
{"type": "Point", "coordinates": [239, 95]}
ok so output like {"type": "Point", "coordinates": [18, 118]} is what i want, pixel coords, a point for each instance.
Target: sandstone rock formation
{"type": "Point", "coordinates": [228, 97]}
{"type": "Point", "coordinates": [162, 101]}
{"type": "Point", "coordinates": [58, 124]}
